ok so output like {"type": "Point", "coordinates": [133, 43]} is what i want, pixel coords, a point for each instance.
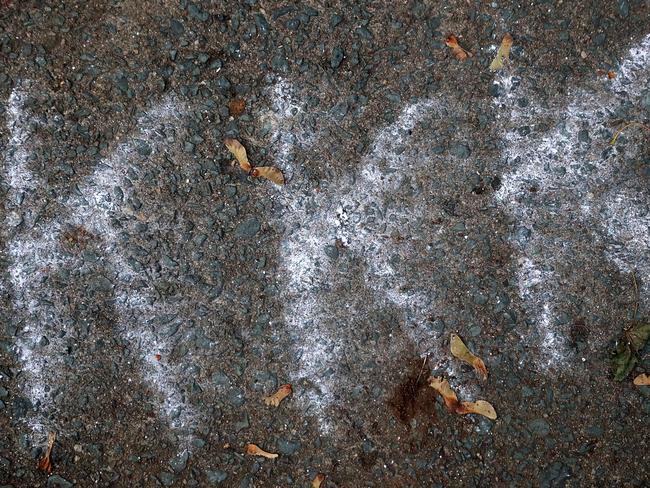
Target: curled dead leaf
{"type": "Point", "coordinates": [283, 392]}
{"type": "Point", "coordinates": [236, 107]}
{"type": "Point", "coordinates": [318, 480]}
{"type": "Point", "coordinates": [237, 150]}
{"type": "Point", "coordinates": [45, 463]}
{"type": "Point", "coordinates": [253, 450]}
{"type": "Point", "coordinates": [642, 380]}
{"type": "Point", "coordinates": [480, 407]}
{"type": "Point", "coordinates": [462, 352]}
{"type": "Point", "coordinates": [503, 53]}
{"type": "Point", "coordinates": [460, 53]}
{"type": "Point", "coordinates": [270, 173]}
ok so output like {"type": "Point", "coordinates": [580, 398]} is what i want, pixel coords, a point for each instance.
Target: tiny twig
{"type": "Point", "coordinates": [625, 126]}
{"type": "Point", "coordinates": [636, 296]}
{"type": "Point", "coordinates": [417, 382]}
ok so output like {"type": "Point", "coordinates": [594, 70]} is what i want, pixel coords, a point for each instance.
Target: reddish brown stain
{"type": "Point", "coordinates": [76, 238]}
{"type": "Point", "coordinates": [413, 397]}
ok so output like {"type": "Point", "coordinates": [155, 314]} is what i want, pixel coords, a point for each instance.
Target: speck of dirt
{"type": "Point", "coordinates": [236, 107]}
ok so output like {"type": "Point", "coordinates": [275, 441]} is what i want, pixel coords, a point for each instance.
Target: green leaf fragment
{"type": "Point", "coordinates": [632, 342]}
{"type": "Point", "coordinates": [638, 336]}
{"type": "Point", "coordinates": [624, 362]}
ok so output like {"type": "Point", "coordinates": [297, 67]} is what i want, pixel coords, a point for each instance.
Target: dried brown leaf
{"type": "Point", "coordinates": [237, 150]}
{"type": "Point", "coordinates": [642, 380]}
{"type": "Point", "coordinates": [45, 463]}
{"type": "Point", "coordinates": [270, 173]}
{"type": "Point", "coordinates": [503, 53]}
{"type": "Point", "coordinates": [253, 450]}
{"type": "Point", "coordinates": [318, 480]}
{"type": "Point", "coordinates": [275, 399]}
{"type": "Point", "coordinates": [460, 53]}
{"type": "Point", "coordinates": [461, 351]}
{"type": "Point", "coordinates": [236, 107]}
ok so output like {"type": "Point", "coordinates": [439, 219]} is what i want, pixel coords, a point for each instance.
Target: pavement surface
{"type": "Point", "coordinates": [152, 294]}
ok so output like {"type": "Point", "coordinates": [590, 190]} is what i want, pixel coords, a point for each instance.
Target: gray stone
{"type": "Point", "coordinates": [261, 23]}
{"type": "Point", "coordinates": [244, 423]}
{"type": "Point", "coordinates": [216, 476]}
{"type": "Point", "coordinates": [475, 331]}
{"type": "Point", "coordinates": [21, 406]}
{"type": "Point", "coordinates": [178, 463]}
{"type": "Point", "coordinates": [220, 378]}
{"type": "Point", "coordinates": [176, 27]}
{"type": "Point", "coordinates": [522, 234]}
{"type": "Point", "coordinates": [248, 228]}
{"type": "Point", "coordinates": [645, 99]}
{"type": "Point", "coordinates": [539, 427]}
{"type": "Point", "coordinates": [337, 57]}
{"type": "Point", "coordinates": [236, 397]}
{"type": "Point", "coordinates": [166, 478]}
{"type": "Point", "coordinates": [595, 431]}
{"type": "Point", "coordinates": [363, 33]}
{"type": "Point", "coordinates": [460, 150]}
{"type": "Point", "coordinates": [624, 8]}
{"type": "Point", "coordinates": [287, 447]}
{"type": "Point", "coordinates": [55, 481]}
{"type": "Point", "coordinates": [280, 63]}
{"type": "Point", "coordinates": [197, 13]}
{"type": "Point", "coordinates": [332, 252]}
{"type": "Point", "coordinates": [555, 475]}
{"type": "Point", "coordinates": [100, 284]}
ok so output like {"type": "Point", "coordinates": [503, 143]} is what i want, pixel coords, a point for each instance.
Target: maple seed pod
{"type": "Point", "coordinates": [503, 53]}
{"type": "Point", "coordinates": [271, 173]}
{"type": "Point", "coordinates": [239, 151]}
{"type": "Point", "coordinates": [441, 385]}
{"type": "Point", "coordinates": [452, 42]}
{"type": "Point", "coordinates": [253, 450]}
{"type": "Point", "coordinates": [45, 463]}
{"type": "Point", "coordinates": [318, 480]}
{"type": "Point", "coordinates": [462, 352]}
{"type": "Point", "coordinates": [642, 380]}
{"type": "Point", "coordinates": [275, 399]}
{"type": "Point", "coordinates": [479, 407]}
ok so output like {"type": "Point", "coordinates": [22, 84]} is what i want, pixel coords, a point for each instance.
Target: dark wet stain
{"type": "Point", "coordinates": [412, 397]}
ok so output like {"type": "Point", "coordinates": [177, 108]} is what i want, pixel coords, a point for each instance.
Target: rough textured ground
{"type": "Point", "coordinates": [151, 294]}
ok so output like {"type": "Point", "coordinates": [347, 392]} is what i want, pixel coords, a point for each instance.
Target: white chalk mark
{"type": "Point", "coordinates": [352, 217]}
{"type": "Point", "coordinates": [563, 172]}
{"type": "Point", "coordinates": [36, 253]}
